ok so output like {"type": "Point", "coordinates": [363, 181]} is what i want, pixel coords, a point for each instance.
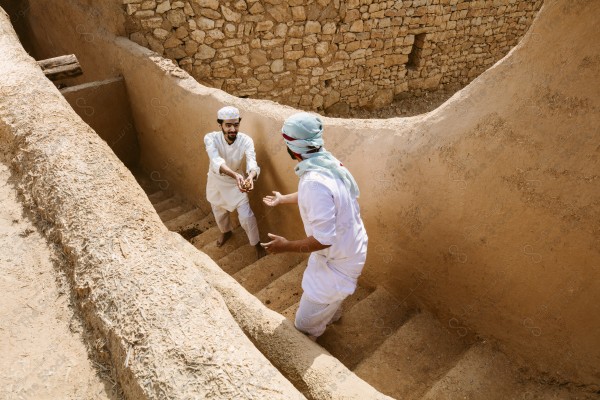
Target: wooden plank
{"type": "Point", "coordinates": [61, 67]}
{"type": "Point", "coordinates": [56, 61]}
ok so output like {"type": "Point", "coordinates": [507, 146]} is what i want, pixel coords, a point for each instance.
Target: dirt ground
{"type": "Point", "coordinates": [405, 105]}
{"type": "Point", "coordinates": [43, 354]}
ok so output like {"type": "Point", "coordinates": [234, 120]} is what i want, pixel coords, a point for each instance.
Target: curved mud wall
{"type": "Point", "coordinates": [143, 290]}
{"type": "Point", "coordinates": [165, 331]}
{"type": "Point", "coordinates": [67, 26]}
{"type": "Point", "coordinates": [326, 55]}
{"type": "Point", "coordinates": [484, 210]}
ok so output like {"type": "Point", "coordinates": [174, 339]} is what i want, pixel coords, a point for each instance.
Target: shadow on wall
{"type": "Point", "coordinates": [19, 17]}
{"type": "Point", "coordinates": [104, 105]}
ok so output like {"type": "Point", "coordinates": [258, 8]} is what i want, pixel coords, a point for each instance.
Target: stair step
{"type": "Point", "coordinates": [173, 212]}
{"type": "Point", "coordinates": [158, 196]}
{"type": "Point", "coordinates": [147, 184]}
{"type": "Point", "coordinates": [167, 204]}
{"type": "Point", "coordinates": [237, 239]}
{"type": "Point", "coordinates": [411, 360]}
{"type": "Point", "coordinates": [178, 223]}
{"type": "Point", "coordinates": [290, 312]}
{"type": "Point", "coordinates": [264, 271]}
{"type": "Point", "coordinates": [364, 327]}
{"type": "Point", "coordinates": [238, 259]}
{"type": "Point", "coordinates": [483, 372]}
{"type": "Point", "coordinates": [198, 227]}
{"type": "Point", "coordinates": [206, 237]}
{"type": "Point", "coordinates": [285, 291]}
{"type": "Point", "coordinates": [359, 294]}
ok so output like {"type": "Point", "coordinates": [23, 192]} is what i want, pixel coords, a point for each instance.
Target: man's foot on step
{"type": "Point", "coordinates": [260, 251]}
{"type": "Point", "coordinates": [223, 238]}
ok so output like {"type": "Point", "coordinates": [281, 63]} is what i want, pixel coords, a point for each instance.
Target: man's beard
{"type": "Point", "coordinates": [230, 137]}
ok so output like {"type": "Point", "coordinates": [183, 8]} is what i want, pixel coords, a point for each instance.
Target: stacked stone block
{"type": "Point", "coordinates": [326, 55]}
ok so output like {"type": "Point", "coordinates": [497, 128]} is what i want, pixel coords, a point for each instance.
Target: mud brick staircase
{"type": "Point", "coordinates": [402, 352]}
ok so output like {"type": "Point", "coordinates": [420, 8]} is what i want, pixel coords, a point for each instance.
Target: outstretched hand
{"type": "Point", "coordinates": [278, 244]}
{"type": "Point", "coordinates": [249, 184]}
{"type": "Point", "coordinates": [240, 182]}
{"type": "Point", "coordinates": [273, 201]}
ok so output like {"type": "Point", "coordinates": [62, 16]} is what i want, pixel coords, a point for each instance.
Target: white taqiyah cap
{"type": "Point", "coordinates": [228, 112]}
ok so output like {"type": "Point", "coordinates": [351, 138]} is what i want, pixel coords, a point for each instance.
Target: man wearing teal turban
{"type": "Point", "coordinates": [336, 237]}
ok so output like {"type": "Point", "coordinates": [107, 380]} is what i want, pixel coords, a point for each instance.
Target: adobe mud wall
{"type": "Point", "coordinates": [167, 333]}
{"type": "Point", "coordinates": [184, 346]}
{"type": "Point", "coordinates": [83, 24]}
{"type": "Point", "coordinates": [484, 210]}
{"type": "Point", "coordinates": [104, 106]}
{"type": "Point", "coordinates": [330, 55]}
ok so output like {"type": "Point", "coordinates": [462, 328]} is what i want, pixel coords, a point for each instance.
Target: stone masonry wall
{"type": "Point", "coordinates": [325, 55]}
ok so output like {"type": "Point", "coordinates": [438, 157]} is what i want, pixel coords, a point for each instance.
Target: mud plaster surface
{"type": "Point", "coordinates": [165, 331]}
{"type": "Point", "coordinates": [43, 355]}
{"type": "Point", "coordinates": [421, 217]}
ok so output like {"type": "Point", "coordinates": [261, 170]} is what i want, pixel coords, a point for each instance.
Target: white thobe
{"type": "Point", "coordinates": [332, 217]}
{"type": "Point", "coordinates": [222, 190]}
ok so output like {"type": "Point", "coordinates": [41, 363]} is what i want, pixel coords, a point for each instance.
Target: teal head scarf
{"type": "Point", "coordinates": [303, 134]}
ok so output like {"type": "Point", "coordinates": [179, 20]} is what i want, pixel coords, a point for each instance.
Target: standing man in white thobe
{"type": "Point", "coordinates": [336, 237]}
{"type": "Point", "coordinates": [226, 187]}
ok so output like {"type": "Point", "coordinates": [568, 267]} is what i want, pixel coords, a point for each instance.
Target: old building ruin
{"type": "Point", "coordinates": [482, 276]}
{"type": "Point", "coordinates": [328, 56]}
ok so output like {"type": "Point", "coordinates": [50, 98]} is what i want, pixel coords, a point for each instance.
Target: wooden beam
{"type": "Point", "coordinates": [60, 67]}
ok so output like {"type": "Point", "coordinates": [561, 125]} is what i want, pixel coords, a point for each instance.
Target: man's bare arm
{"type": "Point", "coordinates": [279, 198]}
{"type": "Point", "coordinates": [224, 169]}
{"type": "Point", "coordinates": [279, 244]}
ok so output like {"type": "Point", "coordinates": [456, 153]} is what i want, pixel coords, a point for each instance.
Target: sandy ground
{"type": "Point", "coordinates": [42, 351]}
{"type": "Point", "coordinates": [405, 105]}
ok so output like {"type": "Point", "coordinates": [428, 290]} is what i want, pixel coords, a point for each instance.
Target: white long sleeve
{"type": "Point", "coordinates": [221, 189]}
{"type": "Point", "coordinates": [214, 157]}
{"type": "Point", "coordinates": [251, 164]}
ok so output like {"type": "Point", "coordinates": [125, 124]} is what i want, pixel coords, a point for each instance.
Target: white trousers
{"type": "Point", "coordinates": [246, 217]}
{"type": "Point", "coordinates": [312, 317]}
